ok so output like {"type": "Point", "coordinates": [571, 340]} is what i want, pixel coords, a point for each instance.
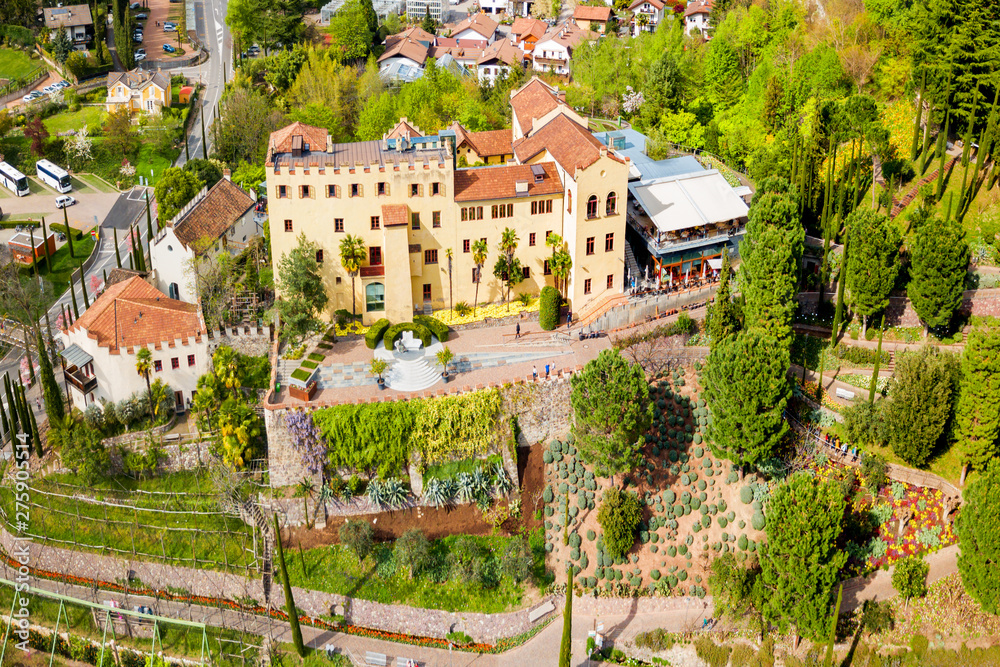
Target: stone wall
{"type": "Point", "coordinates": [176, 457]}
{"type": "Point", "coordinates": [900, 312]}
{"type": "Point", "coordinates": [284, 464]}
{"type": "Point", "coordinates": [251, 340]}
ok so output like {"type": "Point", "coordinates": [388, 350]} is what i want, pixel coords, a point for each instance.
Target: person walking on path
{"type": "Point", "coordinates": [569, 319]}
{"type": "Point", "coordinates": [534, 372]}
{"type": "Point", "coordinates": [517, 331]}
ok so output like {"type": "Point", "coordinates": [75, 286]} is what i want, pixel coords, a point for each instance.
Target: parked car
{"type": "Point", "coordinates": [169, 48]}
{"type": "Point", "coordinates": [141, 51]}
{"type": "Point", "coordinates": [49, 89]}
{"type": "Point", "coordinates": [32, 96]}
{"type": "Point", "coordinates": [137, 38]}
{"type": "Point", "coordinates": [169, 27]}
{"type": "Point", "coordinates": [64, 201]}
{"type": "Point", "coordinates": [141, 16]}
{"type": "Point", "coordinates": [139, 57]}
{"type": "Point", "coordinates": [135, 5]}
{"type": "Point", "coordinates": [62, 84]}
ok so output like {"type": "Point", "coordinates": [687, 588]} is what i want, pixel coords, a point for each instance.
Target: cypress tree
{"type": "Point", "coordinates": [977, 412]}
{"type": "Point", "coordinates": [50, 388]}
{"type": "Point", "coordinates": [15, 421]}
{"type": "Point", "coordinates": [828, 662]}
{"type": "Point", "coordinates": [872, 266]}
{"type": "Point", "coordinates": [34, 425]}
{"type": "Point", "coordinates": [72, 293]}
{"type": "Point", "coordinates": [204, 144]}
{"type": "Point", "coordinates": [118, 255]}
{"type": "Point", "coordinates": [566, 645]}
{"type": "Point", "coordinates": [83, 290]}
{"type": "Point", "coordinates": [45, 243]}
{"type": "Point", "coordinates": [939, 258]}
{"type": "Point", "coordinates": [69, 233]}
{"type": "Point", "coordinates": [838, 314]}
{"type": "Point", "coordinates": [926, 142]}
{"type": "Point", "coordinates": [987, 140]}
{"type": "Point", "coordinates": [967, 146]}
{"type": "Point", "coordinates": [942, 152]}
{"type": "Point", "coordinates": [34, 257]}
{"type": "Point", "coordinates": [293, 613]}
{"type": "Point", "coordinates": [979, 558]}
{"type": "Point", "coordinates": [27, 353]}
{"type": "Point", "coordinates": [3, 420]}
{"type": "Point", "coordinates": [724, 319]}
{"type": "Point", "coordinates": [149, 219]}
{"type": "Point", "coordinates": [916, 122]}
{"type": "Point", "coordinates": [878, 360]}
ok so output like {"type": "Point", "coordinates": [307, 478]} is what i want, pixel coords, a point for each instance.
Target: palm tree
{"type": "Point", "coordinates": [352, 254]}
{"type": "Point", "coordinates": [144, 364]}
{"type": "Point", "coordinates": [560, 265]}
{"type": "Point", "coordinates": [449, 254]}
{"type": "Point", "coordinates": [157, 394]}
{"type": "Point", "coordinates": [507, 246]}
{"type": "Point", "coordinates": [479, 253]}
{"type": "Point", "coordinates": [305, 488]}
{"type": "Point", "coordinates": [642, 20]}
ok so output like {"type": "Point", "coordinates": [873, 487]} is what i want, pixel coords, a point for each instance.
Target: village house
{"type": "Point", "coordinates": [137, 90]}
{"type": "Point", "coordinates": [592, 17]}
{"type": "Point", "coordinates": [697, 17]}
{"type": "Point", "coordinates": [75, 20]}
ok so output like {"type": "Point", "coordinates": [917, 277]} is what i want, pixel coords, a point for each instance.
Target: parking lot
{"type": "Point", "coordinates": [160, 12]}
{"type": "Point", "coordinates": [91, 207]}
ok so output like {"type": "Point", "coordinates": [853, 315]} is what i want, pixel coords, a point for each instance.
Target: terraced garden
{"type": "Point", "coordinates": [695, 506]}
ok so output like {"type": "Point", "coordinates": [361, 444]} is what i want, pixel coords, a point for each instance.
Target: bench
{"type": "Point", "coordinates": [844, 394]}
{"type": "Point", "coordinates": [406, 662]}
{"type": "Point", "coordinates": [541, 611]}
{"type": "Point", "coordinates": [372, 658]}
{"type": "Point", "coordinates": [173, 437]}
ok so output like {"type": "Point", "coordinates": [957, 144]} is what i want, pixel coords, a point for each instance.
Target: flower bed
{"type": "Point", "coordinates": [493, 310]}
{"type": "Point", "coordinates": [927, 506]}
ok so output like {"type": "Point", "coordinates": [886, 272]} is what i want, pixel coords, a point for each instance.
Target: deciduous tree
{"type": "Point", "coordinates": [800, 560]}
{"type": "Point", "coordinates": [303, 294]}
{"type": "Point", "coordinates": [909, 577]}
{"type": "Point", "coordinates": [175, 188]}
{"type": "Point", "coordinates": [747, 392]}
{"type": "Point", "coordinates": [610, 399]}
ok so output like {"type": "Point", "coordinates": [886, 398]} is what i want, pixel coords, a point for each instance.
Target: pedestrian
{"type": "Point", "coordinates": [534, 372]}
{"type": "Point", "coordinates": [517, 331]}
{"type": "Point", "coordinates": [569, 319]}
{"type": "Point", "coordinates": [38, 403]}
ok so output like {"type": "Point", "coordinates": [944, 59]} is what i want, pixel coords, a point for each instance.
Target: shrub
{"type": "Point", "coordinates": [548, 308]}
{"type": "Point", "coordinates": [462, 309]}
{"type": "Point", "coordinates": [910, 578]}
{"type": "Point", "coordinates": [396, 330]}
{"type": "Point", "coordinates": [710, 652]}
{"type": "Point", "coordinates": [413, 551]}
{"type": "Point", "coordinates": [436, 326]}
{"type": "Point", "coordinates": [359, 537]}
{"type": "Point", "coordinates": [375, 333]}
{"type": "Point", "coordinates": [859, 355]}
{"type": "Point", "coordinates": [619, 517]}
{"type": "Point", "coordinates": [877, 616]}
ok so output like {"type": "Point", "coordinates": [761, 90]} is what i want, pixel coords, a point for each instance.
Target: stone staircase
{"type": "Point", "coordinates": [598, 307]}
{"type": "Point", "coordinates": [899, 204]}
{"type": "Point", "coordinates": [413, 374]}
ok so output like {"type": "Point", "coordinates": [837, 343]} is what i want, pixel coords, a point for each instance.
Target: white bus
{"type": "Point", "coordinates": [53, 175]}
{"type": "Point", "coordinates": [13, 180]}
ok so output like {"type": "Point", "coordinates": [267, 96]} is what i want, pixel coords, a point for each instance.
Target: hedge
{"type": "Point", "coordinates": [375, 333]}
{"type": "Point", "coordinates": [394, 332]}
{"type": "Point", "coordinates": [60, 228]}
{"type": "Point", "coordinates": [11, 224]}
{"type": "Point", "coordinates": [436, 326]}
{"type": "Point", "coordinates": [548, 308]}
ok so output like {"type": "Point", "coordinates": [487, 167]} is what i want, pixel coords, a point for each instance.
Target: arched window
{"type": "Point", "coordinates": [592, 207]}
{"type": "Point", "coordinates": [374, 297]}
{"type": "Point", "coordinates": [612, 205]}
{"type": "Point", "coordinates": [174, 291]}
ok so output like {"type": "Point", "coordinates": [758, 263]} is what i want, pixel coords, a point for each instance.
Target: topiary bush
{"type": "Point", "coordinates": [757, 521]}
{"type": "Point", "coordinates": [619, 517]}
{"type": "Point", "coordinates": [396, 330]}
{"type": "Point", "coordinates": [436, 326]}
{"type": "Point", "coordinates": [548, 308]}
{"type": "Point", "coordinates": [375, 333]}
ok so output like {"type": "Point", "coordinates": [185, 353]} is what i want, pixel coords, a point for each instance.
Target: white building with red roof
{"type": "Point", "coordinates": [653, 12]}
{"type": "Point", "coordinates": [100, 346]}
{"type": "Point", "coordinates": [697, 17]}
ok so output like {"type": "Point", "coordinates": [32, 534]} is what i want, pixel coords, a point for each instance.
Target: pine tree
{"type": "Point", "coordinates": [747, 391]}
{"type": "Point", "coordinates": [771, 252]}
{"type": "Point", "coordinates": [977, 527]}
{"type": "Point", "coordinates": [939, 258]}
{"type": "Point", "coordinates": [800, 560]}
{"type": "Point", "coordinates": [566, 645]}
{"type": "Point", "coordinates": [50, 388]}
{"type": "Point", "coordinates": [977, 411]}
{"type": "Point", "coordinates": [872, 266]}
{"type": "Point", "coordinates": [286, 585]}
{"type": "Point", "coordinates": [724, 318]}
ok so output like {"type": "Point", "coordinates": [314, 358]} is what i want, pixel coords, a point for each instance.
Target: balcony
{"type": "Point", "coordinates": [372, 271]}
{"type": "Point", "coordinates": [76, 378]}
{"type": "Point", "coordinates": [686, 239]}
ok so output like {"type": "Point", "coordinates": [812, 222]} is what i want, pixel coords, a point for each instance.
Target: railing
{"type": "Point", "coordinates": [372, 271]}
{"type": "Point", "coordinates": [668, 245]}
{"type": "Point", "coordinates": [82, 382]}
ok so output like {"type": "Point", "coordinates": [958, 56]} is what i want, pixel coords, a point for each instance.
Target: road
{"type": "Point", "coordinates": [210, 23]}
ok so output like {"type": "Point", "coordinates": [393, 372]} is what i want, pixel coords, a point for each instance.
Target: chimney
{"type": "Point", "coordinates": [226, 174]}
{"type": "Point", "coordinates": [520, 188]}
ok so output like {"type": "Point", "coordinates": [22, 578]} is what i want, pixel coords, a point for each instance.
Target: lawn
{"type": "Point", "coordinates": [89, 117]}
{"type": "Point", "coordinates": [176, 529]}
{"type": "Point", "coordinates": [151, 159]}
{"type": "Point", "coordinates": [16, 64]}
{"type": "Point", "coordinates": [95, 182]}
{"type": "Point", "coordinates": [336, 569]}
{"type": "Point", "coordinates": [63, 266]}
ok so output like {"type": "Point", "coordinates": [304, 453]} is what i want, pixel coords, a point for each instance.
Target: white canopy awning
{"type": "Point", "coordinates": [690, 200]}
{"type": "Point", "coordinates": [715, 264]}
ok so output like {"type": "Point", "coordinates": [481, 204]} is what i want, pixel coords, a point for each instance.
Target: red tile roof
{"type": "Point", "coordinates": [592, 13]}
{"type": "Point", "coordinates": [479, 23]}
{"type": "Point", "coordinates": [133, 314]}
{"type": "Point", "coordinates": [281, 140]}
{"type": "Point", "coordinates": [698, 7]}
{"type": "Point", "coordinates": [483, 183]}
{"type": "Point", "coordinates": [523, 27]}
{"type": "Point", "coordinates": [415, 33]}
{"type": "Point", "coordinates": [569, 144]}
{"type": "Point", "coordinates": [404, 127]}
{"type": "Point", "coordinates": [535, 99]}
{"type": "Point", "coordinates": [221, 207]}
{"type": "Point", "coordinates": [394, 215]}
{"type": "Point", "coordinates": [407, 48]}
{"type": "Point", "coordinates": [502, 51]}
{"type": "Point", "coordinates": [656, 3]}
{"type": "Point", "coordinates": [492, 142]}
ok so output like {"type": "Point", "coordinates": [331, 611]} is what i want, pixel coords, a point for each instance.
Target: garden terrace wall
{"type": "Point", "coordinates": [900, 312]}
{"type": "Point", "coordinates": [542, 409]}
